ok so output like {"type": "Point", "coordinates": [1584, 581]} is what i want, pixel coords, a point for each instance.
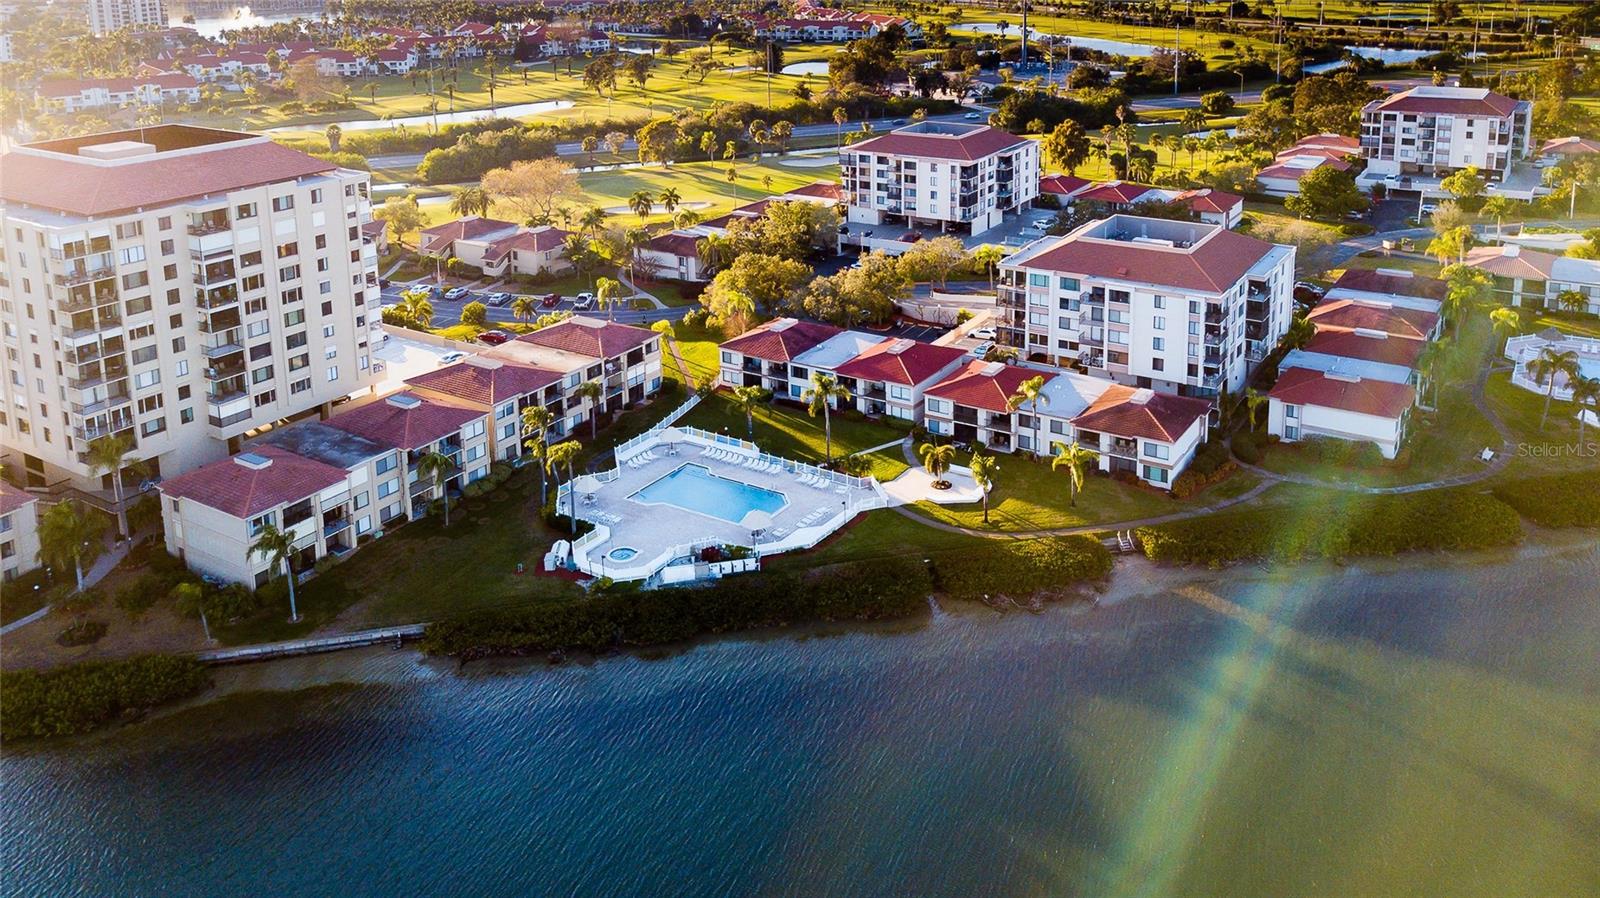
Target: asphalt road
{"type": "Point", "coordinates": [448, 311]}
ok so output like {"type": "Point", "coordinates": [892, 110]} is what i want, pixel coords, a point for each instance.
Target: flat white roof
{"type": "Point", "coordinates": [837, 349]}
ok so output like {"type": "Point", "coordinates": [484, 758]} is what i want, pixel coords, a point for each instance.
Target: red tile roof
{"type": "Point", "coordinates": [1208, 200]}
{"type": "Point", "coordinates": [981, 142]}
{"type": "Point", "coordinates": [484, 384]}
{"type": "Point", "coordinates": [777, 341]}
{"type": "Point", "coordinates": [13, 498]}
{"type": "Point", "coordinates": [1569, 146]}
{"type": "Point", "coordinates": [676, 243]}
{"type": "Point", "coordinates": [541, 240]}
{"type": "Point", "coordinates": [1512, 262]}
{"type": "Point", "coordinates": [980, 384]}
{"type": "Point", "coordinates": [742, 213]}
{"type": "Point", "coordinates": [242, 491]}
{"type": "Point", "coordinates": [1352, 345]}
{"type": "Point", "coordinates": [1115, 192]}
{"type": "Point", "coordinates": [1368, 280]}
{"type": "Point", "coordinates": [1062, 185]}
{"type": "Point", "coordinates": [1213, 265]}
{"type": "Point", "coordinates": [1450, 101]}
{"type": "Point", "coordinates": [469, 228]}
{"type": "Point", "coordinates": [823, 189]}
{"type": "Point", "coordinates": [1303, 386]}
{"type": "Point", "coordinates": [58, 88]}
{"type": "Point", "coordinates": [1350, 314]}
{"type": "Point", "coordinates": [1296, 172]}
{"type": "Point", "coordinates": [388, 424]}
{"type": "Point", "coordinates": [590, 336]}
{"type": "Point", "coordinates": [1350, 145]}
{"type": "Point", "coordinates": [912, 364]}
{"type": "Point", "coordinates": [1128, 412]}
{"type": "Point", "coordinates": [79, 186]}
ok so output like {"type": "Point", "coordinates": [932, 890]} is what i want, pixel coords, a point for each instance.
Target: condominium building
{"type": "Point", "coordinates": [1528, 277]}
{"type": "Point", "coordinates": [180, 286]}
{"type": "Point", "coordinates": [1181, 307]}
{"type": "Point", "coordinates": [504, 389]}
{"type": "Point", "coordinates": [1434, 131]}
{"type": "Point", "coordinates": [106, 16]}
{"type": "Point", "coordinates": [953, 176]}
{"type": "Point", "coordinates": [19, 531]}
{"type": "Point", "coordinates": [624, 360]}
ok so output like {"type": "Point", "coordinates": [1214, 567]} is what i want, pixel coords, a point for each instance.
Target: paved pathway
{"type": "Point", "coordinates": [310, 645]}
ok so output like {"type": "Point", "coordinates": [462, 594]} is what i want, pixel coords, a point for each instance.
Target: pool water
{"type": "Point", "coordinates": [694, 488]}
{"type": "Point", "coordinates": [624, 553]}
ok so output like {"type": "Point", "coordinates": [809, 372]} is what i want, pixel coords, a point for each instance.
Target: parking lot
{"type": "Point", "coordinates": [447, 311]}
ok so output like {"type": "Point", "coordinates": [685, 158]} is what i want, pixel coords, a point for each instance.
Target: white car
{"type": "Point", "coordinates": [972, 116]}
{"type": "Point", "coordinates": [584, 303]}
{"type": "Point", "coordinates": [983, 333]}
{"type": "Point", "coordinates": [450, 358]}
{"type": "Point", "coordinates": [1044, 224]}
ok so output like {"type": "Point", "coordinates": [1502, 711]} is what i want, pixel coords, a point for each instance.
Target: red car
{"type": "Point", "coordinates": [493, 338]}
{"type": "Point", "coordinates": [550, 300]}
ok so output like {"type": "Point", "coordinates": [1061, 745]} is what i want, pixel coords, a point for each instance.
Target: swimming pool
{"type": "Point", "coordinates": [694, 488]}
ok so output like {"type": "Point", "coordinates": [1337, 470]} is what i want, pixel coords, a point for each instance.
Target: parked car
{"type": "Point", "coordinates": [455, 293]}
{"type": "Point", "coordinates": [550, 300]}
{"type": "Point", "coordinates": [450, 358]}
{"type": "Point", "coordinates": [585, 302]}
{"type": "Point", "coordinates": [1044, 223]}
{"type": "Point", "coordinates": [497, 299]}
{"type": "Point", "coordinates": [972, 116]}
{"type": "Point", "coordinates": [493, 338]}
{"type": "Point", "coordinates": [1307, 292]}
{"type": "Point", "coordinates": [1429, 209]}
{"type": "Point", "coordinates": [983, 333]}
{"type": "Point", "coordinates": [982, 349]}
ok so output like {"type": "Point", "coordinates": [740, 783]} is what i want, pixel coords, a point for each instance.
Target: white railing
{"type": "Point", "coordinates": [627, 449]}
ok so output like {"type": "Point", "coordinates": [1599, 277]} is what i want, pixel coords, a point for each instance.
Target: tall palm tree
{"type": "Point", "coordinates": [334, 133]}
{"type": "Point", "coordinates": [1468, 286]}
{"type": "Point", "coordinates": [563, 455]}
{"type": "Point", "coordinates": [669, 199]}
{"type": "Point", "coordinates": [839, 118]}
{"type": "Point", "coordinates": [1431, 364]}
{"type": "Point", "coordinates": [525, 308]}
{"type": "Point", "coordinates": [536, 421]}
{"type": "Point", "coordinates": [818, 399]}
{"type": "Point", "coordinates": [1507, 322]}
{"type": "Point", "coordinates": [1544, 367]}
{"type": "Point", "coordinates": [472, 200]}
{"type": "Point", "coordinates": [592, 220]}
{"type": "Point", "coordinates": [607, 293]}
{"type": "Point", "coordinates": [1571, 301]}
{"type": "Point", "coordinates": [69, 536]}
{"type": "Point", "coordinates": [748, 399]}
{"type": "Point", "coordinates": [1031, 392]}
{"type": "Point", "coordinates": [1254, 399]}
{"type": "Point", "coordinates": [109, 455]}
{"type": "Point", "coordinates": [277, 546]}
{"type": "Point", "coordinates": [1585, 396]}
{"type": "Point", "coordinates": [593, 391]}
{"type": "Point", "coordinates": [1076, 458]}
{"type": "Point", "coordinates": [642, 202]}
{"type": "Point", "coordinates": [438, 467]}
{"type": "Point", "coordinates": [989, 256]}
{"type": "Point", "coordinates": [936, 460]}
{"type": "Point", "coordinates": [984, 469]}
{"type": "Point", "coordinates": [190, 598]}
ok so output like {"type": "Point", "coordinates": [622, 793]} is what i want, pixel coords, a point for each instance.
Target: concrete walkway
{"type": "Point", "coordinates": [108, 560]}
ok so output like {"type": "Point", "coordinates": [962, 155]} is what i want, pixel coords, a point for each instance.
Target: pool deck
{"type": "Point", "coordinates": [809, 513]}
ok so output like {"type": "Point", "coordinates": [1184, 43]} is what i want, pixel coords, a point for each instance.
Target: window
{"type": "Point", "coordinates": [247, 210]}
{"type": "Point", "coordinates": [134, 280]}
{"type": "Point", "coordinates": [938, 406]}
{"type": "Point", "coordinates": [168, 247]}
{"type": "Point", "coordinates": [152, 427]}
{"type": "Point", "coordinates": [250, 259]}
{"type": "Point", "coordinates": [472, 430]}
{"type": "Point", "coordinates": [316, 194]}
{"type": "Point", "coordinates": [1155, 474]}
{"type": "Point", "coordinates": [386, 464]}
{"type": "Point", "coordinates": [1159, 302]}
{"type": "Point", "coordinates": [300, 361]}
{"type": "Point", "coordinates": [147, 379]}
{"type": "Point", "coordinates": [257, 524]}
{"type": "Point", "coordinates": [150, 403]}
{"type": "Point", "coordinates": [330, 352]}
{"type": "Point", "coordinates": [1038, 280]}
{"type": "Point", "coordinates": [300, 386]}
{"type": "Point", "coordinates": [900, 393]}
{"type": "Point", "coordinates": [1159, 323]}
{"type": "Point", "coordinates": [285, 250]}
{"type": "Point", "coordinates": [294, 317]}
{"type": "Point", "coordinates": [282, 203]}
{"type": "Point", "coordinates": [138, 306]}
{"type": "Point", "coordinates": [257, 328]}
{"type": "Point", "coordinates": [1158, 343]}
{"type": "Point", "coordinates": [186, 416]}
{"type": "Point", "coordinates": [164, 222]}
{"type": "Point", "coordinates": [1158, 364]}
{"type": "Point", "coordinates": [362, 501]}
{"type": "Point", "coordinates": [1156, 450]}
{"type": "Point", "coordinates": [182, 367]}
{"type": "Point", "coordinates": [333, 373]}
{"type": "Point", "coordinates": [1070, 283]}
{"type": "Point", "coordinates": [289, 273]}
{"type": "Point", "coordinates": [388, 487]}
{"type": "Point", "coordinates": [261, 375]}
{"type": "Point", "coordinates": [1291, 412]}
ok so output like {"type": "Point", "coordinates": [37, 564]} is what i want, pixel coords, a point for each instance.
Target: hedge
{"type": "Point", "coordinates": [1364, 525]}
{"type": "Point", "coordinates": [1019, 568]}
{"type": "Point", "coordinates": [1555, 500]}
{"type": "Point", "coordinates": [1211, 465]}
{"type": "Point", "coordinates": [76, 699]}
{"type": "Point", "coordinates": [883, 590]}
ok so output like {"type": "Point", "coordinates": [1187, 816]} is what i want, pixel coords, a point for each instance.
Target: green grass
{"type": "Point", "coordinates": [698, 348]}
{"type": "Point", "coordinates": [1439, 445]}
{"type": "Point", "coordinates": [1552, 448]}
{"type": "Point", "coordinates": [878, 534]}
{"type": "Point", "coordinates": [1579, 325]}
{"type": "Point", "coordinates": [785, 429]}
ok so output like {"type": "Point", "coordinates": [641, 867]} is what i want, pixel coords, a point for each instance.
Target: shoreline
{"type": "Point", "coordinates": [1133, 579]}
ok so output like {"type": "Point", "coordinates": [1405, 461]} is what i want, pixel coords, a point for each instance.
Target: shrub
{"type": "Point", "coordinates": [1020, 568]}
{"type": "Point", "coordinates": [139, 594]}
{"type": "Point", "coordinates": [77, 699]}
{"type": "Point", "coordinates": [1246, 449]}
{"type": "Point", "coordinates": [1211, 465]}
{"type": "Point", "coordinates": [1556, 500]}
{"type": "Point", "coordinates": [85, 632]}
{"type": "Point", "coordinates": [1349, 526]}
{"type": "Point", "coordinates": [610, 619]}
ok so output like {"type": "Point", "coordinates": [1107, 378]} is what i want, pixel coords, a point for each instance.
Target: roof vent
{"type": "Point", "coordinates": [478, 361]}
{"type": "Point", "coordinates": [1372, 333]}
{"type": "Point", "coordinates": [118, 149]}
{"type": "Point", "coordinates": [992, 368]}
{"type": "Point", "coordinates": [901, 345]}
{"type": "Point", "coordinates": [1142, 396]}
{"type": "Point", "coordinates": [252, 460]}
{"type": "Point", "coordinates": [404, 400]}
{"type": "Point", "coordinates": [782, 324]}
{"type": "Point", "coordinates": [1342, 377]}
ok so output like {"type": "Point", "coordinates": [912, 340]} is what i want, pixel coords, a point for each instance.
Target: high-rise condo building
{"type": "Point", "coordinates": [106, 16]}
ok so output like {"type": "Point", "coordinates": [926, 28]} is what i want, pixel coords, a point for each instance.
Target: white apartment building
{"type": "Point", "coordinates": [1181, 307]}
{"type": "Point", "coordinates": [19, 532]}
{"type": "Point", "coordinates": [1434, 131]}
{"type": "Point", "coordinates": [949, 175]}
{"type": "Point", "coordinates": [106, 16]}
{"type": "Point", "coordinates": [1528, 277]}
{"type": "Point", "coordinates": [624, 360]}
{"type": "Point", "coordinates": [179, 286]}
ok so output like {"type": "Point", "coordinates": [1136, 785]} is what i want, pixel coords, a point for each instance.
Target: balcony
{"type": "Point", "coordinates": [966, 415]}
{"type": "Point", "coordinates": [85, 328]}
{"type": "Point", "coordinates": [332, 525]}
{"type": "Point", "coordinates": [218, 298]}
{"type": "Point", "coordinates": [114, 400]}
{"type": "Point", "coordinates": [225, 370]}
{"type": "Point", "coordinates": [876, 391]}
{"type": "Point", "coordinates": [208, 224]}
{"type": "Point", "coordinates": [1123, 448]}
{"type": "Point", "coordinates": [1213, 357]}
{"type": "Point", "coordinates": [998, 422]}
{"type": "Point", "coordinates": [778, 369]}
{"type": "Point", "coordinates": [1215, 314]}
{"type": "Point", "coordinates": [83, 274]}
{"type": "Point", "coordinates": [751, 366]}
{"type": "Point", "coordinates": [218, 348]}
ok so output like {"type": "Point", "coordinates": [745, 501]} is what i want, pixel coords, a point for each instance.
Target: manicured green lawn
{"type": "Point", "coordinates": [1580, 325]}
{"type": "Point", "coordinates": [1539, 450]}
{"type": "Point", "coordinates": [878, 534]}
{"type": "Point", "coordinates": [698, 348]}
{"type": "Point", "coordinates": [785, 429]}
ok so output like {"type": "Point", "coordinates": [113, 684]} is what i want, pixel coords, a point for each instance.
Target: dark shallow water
{"type": "Point", "coordinates": [1428, 730]}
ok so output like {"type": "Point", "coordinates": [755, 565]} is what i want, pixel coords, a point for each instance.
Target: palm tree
{"type": "Point", "coordinates": [1544, 367]}
{"type": "Point", "coordinates": [438, 467]}
{"type": "Point", "coordinates": [414, 304]}
{"type": "Point", "coordinates": [607, 293]}
{"type": "Point", "coordinates": [536, 421]}
{"type": "Point", "coordinates": [670, 198]}
{"type": "Point", "coordinates": [1076, 459]}
{"type": "Point", "coordinates": [589, 145]}
{"type": "Point", "coordinates": [819, 398]}
{"type": "Point", "coordinates": [109, 455]}
{"type": "Point", "coordinates": [716, 251]}
{"type": "Point", "coordinates": [470, 201]}
{"type": "Point", "coordinates": [748, 399]}
{"type": "Point", "coordinates": [1571, 301]}
{"type": "Point", "coordinates": [1430, 362]}
{"type": "Point", "coordinates": [1507, 322]}
{"type": "Point", "coordinates": [563, 455]}
{"type": "Point", "coordinates": [839, 118]}
{"type": "Point", "coordinates": [984, 467]}
{"type": "Point", "coordinates": [525, 308]}
{"type": "Point", "coordinates": [69, 535]}
{"type": "Point", "coordinates": [936, 460]}
{"type": "Point", "coordinates": [190, 598]}
{"type": "Point", "coordinates": [333, 132]}
{"type": "Point", "coordinates": [989, 256]}
{"type": "Point", "coordinates": [1254, 399]}
{"type": "Point", "coordinates": [593, 391]}
{"type": "Point", "coordinates": [642, 202]}
{"type": "Point", "coordinates": [277, 547]}
{"type": "Point", "coordinates": [1468, 286]}
{"type": "Point", "coordinates": [1585, 395]}
{"type": "Point", "coordinates": [1030, 391]}
{"type": "Point", "coordinates": [592, 220]}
